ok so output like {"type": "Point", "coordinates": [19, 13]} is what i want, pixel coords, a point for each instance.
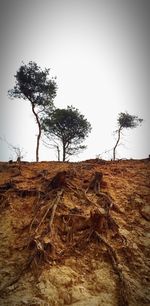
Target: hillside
{"type": "Point", "coordinates": [65, 242]}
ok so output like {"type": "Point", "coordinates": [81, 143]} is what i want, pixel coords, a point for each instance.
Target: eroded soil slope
{"type": "Point", "coordinates": [65, 242]}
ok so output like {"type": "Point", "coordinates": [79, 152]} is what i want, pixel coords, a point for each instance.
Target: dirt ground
{"type": "Point", "coordinates": [67, 241]}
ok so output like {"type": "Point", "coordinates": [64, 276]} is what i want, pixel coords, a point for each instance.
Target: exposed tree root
{"type": "Point", "coordinates": [123, 288]}
{"type": "Point", "coordinates": [52, 205]}
{"type": "Point", "coordinates": [77, 230]}
{"type": "Point", "coordinates": [57, 199]}
{"type": "Point", "coordinates": [28, 192]}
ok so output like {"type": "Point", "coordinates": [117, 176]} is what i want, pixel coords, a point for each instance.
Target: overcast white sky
{"type": "Point", "coordinates": [99, 51]}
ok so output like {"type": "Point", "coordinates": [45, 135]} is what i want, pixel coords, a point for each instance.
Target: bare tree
{"type": "Point", "coordinates": [19, 152]}
{"type": "Point", "coordinates": [53, 144]}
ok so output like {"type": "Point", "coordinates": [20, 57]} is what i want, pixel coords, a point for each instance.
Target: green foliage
{"type": "Point", "coordinates": [69, 127]}
{"type": "Point", "coordinates": [32, 83]}
{"type": "Point", "coordinates": [125, 121]}
{"type": "Point", "coordinates": [128, 121]}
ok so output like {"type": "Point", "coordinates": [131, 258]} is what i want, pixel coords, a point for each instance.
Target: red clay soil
{"type": "Point", "coordinates": [66, 242]}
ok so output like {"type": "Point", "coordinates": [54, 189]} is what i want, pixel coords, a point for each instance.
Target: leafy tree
{"type": "Point", "coordinates": [125, 121]}
{"type": "Point", "coordinates": [33, 84]}
{"type": "Point", "coordinates": [68, 127]}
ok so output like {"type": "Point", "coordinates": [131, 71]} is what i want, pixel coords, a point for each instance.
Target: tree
{"type": "Point", "coordinates": [125, 121]}
{"type": "Point", "coordinates": [33, 84]}
{"type": "Point", "coordinates": [19, 152]}
{"type": "Point", "coordinates": [68, 127]}
{"type": "Point", "coordinates": [52, 144]}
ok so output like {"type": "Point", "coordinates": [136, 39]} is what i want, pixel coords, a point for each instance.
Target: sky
{"type": "Point", "coordinates": [99, 52]}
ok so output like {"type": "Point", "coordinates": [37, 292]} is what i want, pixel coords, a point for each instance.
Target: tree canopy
{"type": "Point", "coordinates": [125, 121]}
{"type": "Point", "coordinates": [128, 121]}
{"type": "Point", "coordinates": [33, 84]}
{"type": "Point", "coordinates": [69, 127]}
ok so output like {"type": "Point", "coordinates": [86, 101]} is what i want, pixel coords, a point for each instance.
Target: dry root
{"type": "Point", "coordinates": [77, 229]}
{"type": "Point", "coordinates": [122, 283]}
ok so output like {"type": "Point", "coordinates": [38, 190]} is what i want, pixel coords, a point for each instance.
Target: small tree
{"type": "Point", "coordinates": [68, 127]}
{"type": "Point", "coordinates": [125, 121]}
{"type": "Point", "coordinates": [52, 144]}
{"type": "Point", "coordinates": [19, 152]}
{"type": "Point", "coordinates": [32, 84]}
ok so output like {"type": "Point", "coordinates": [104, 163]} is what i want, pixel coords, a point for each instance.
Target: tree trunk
{"type": "Point", "coordinates": [64, 152]}
{"type": "Point", "coordinates": [118, 139]}
{"type": "Point", "coordinates": [58, 153]}
{"type": "Point", "coordinates": [39, 132]}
